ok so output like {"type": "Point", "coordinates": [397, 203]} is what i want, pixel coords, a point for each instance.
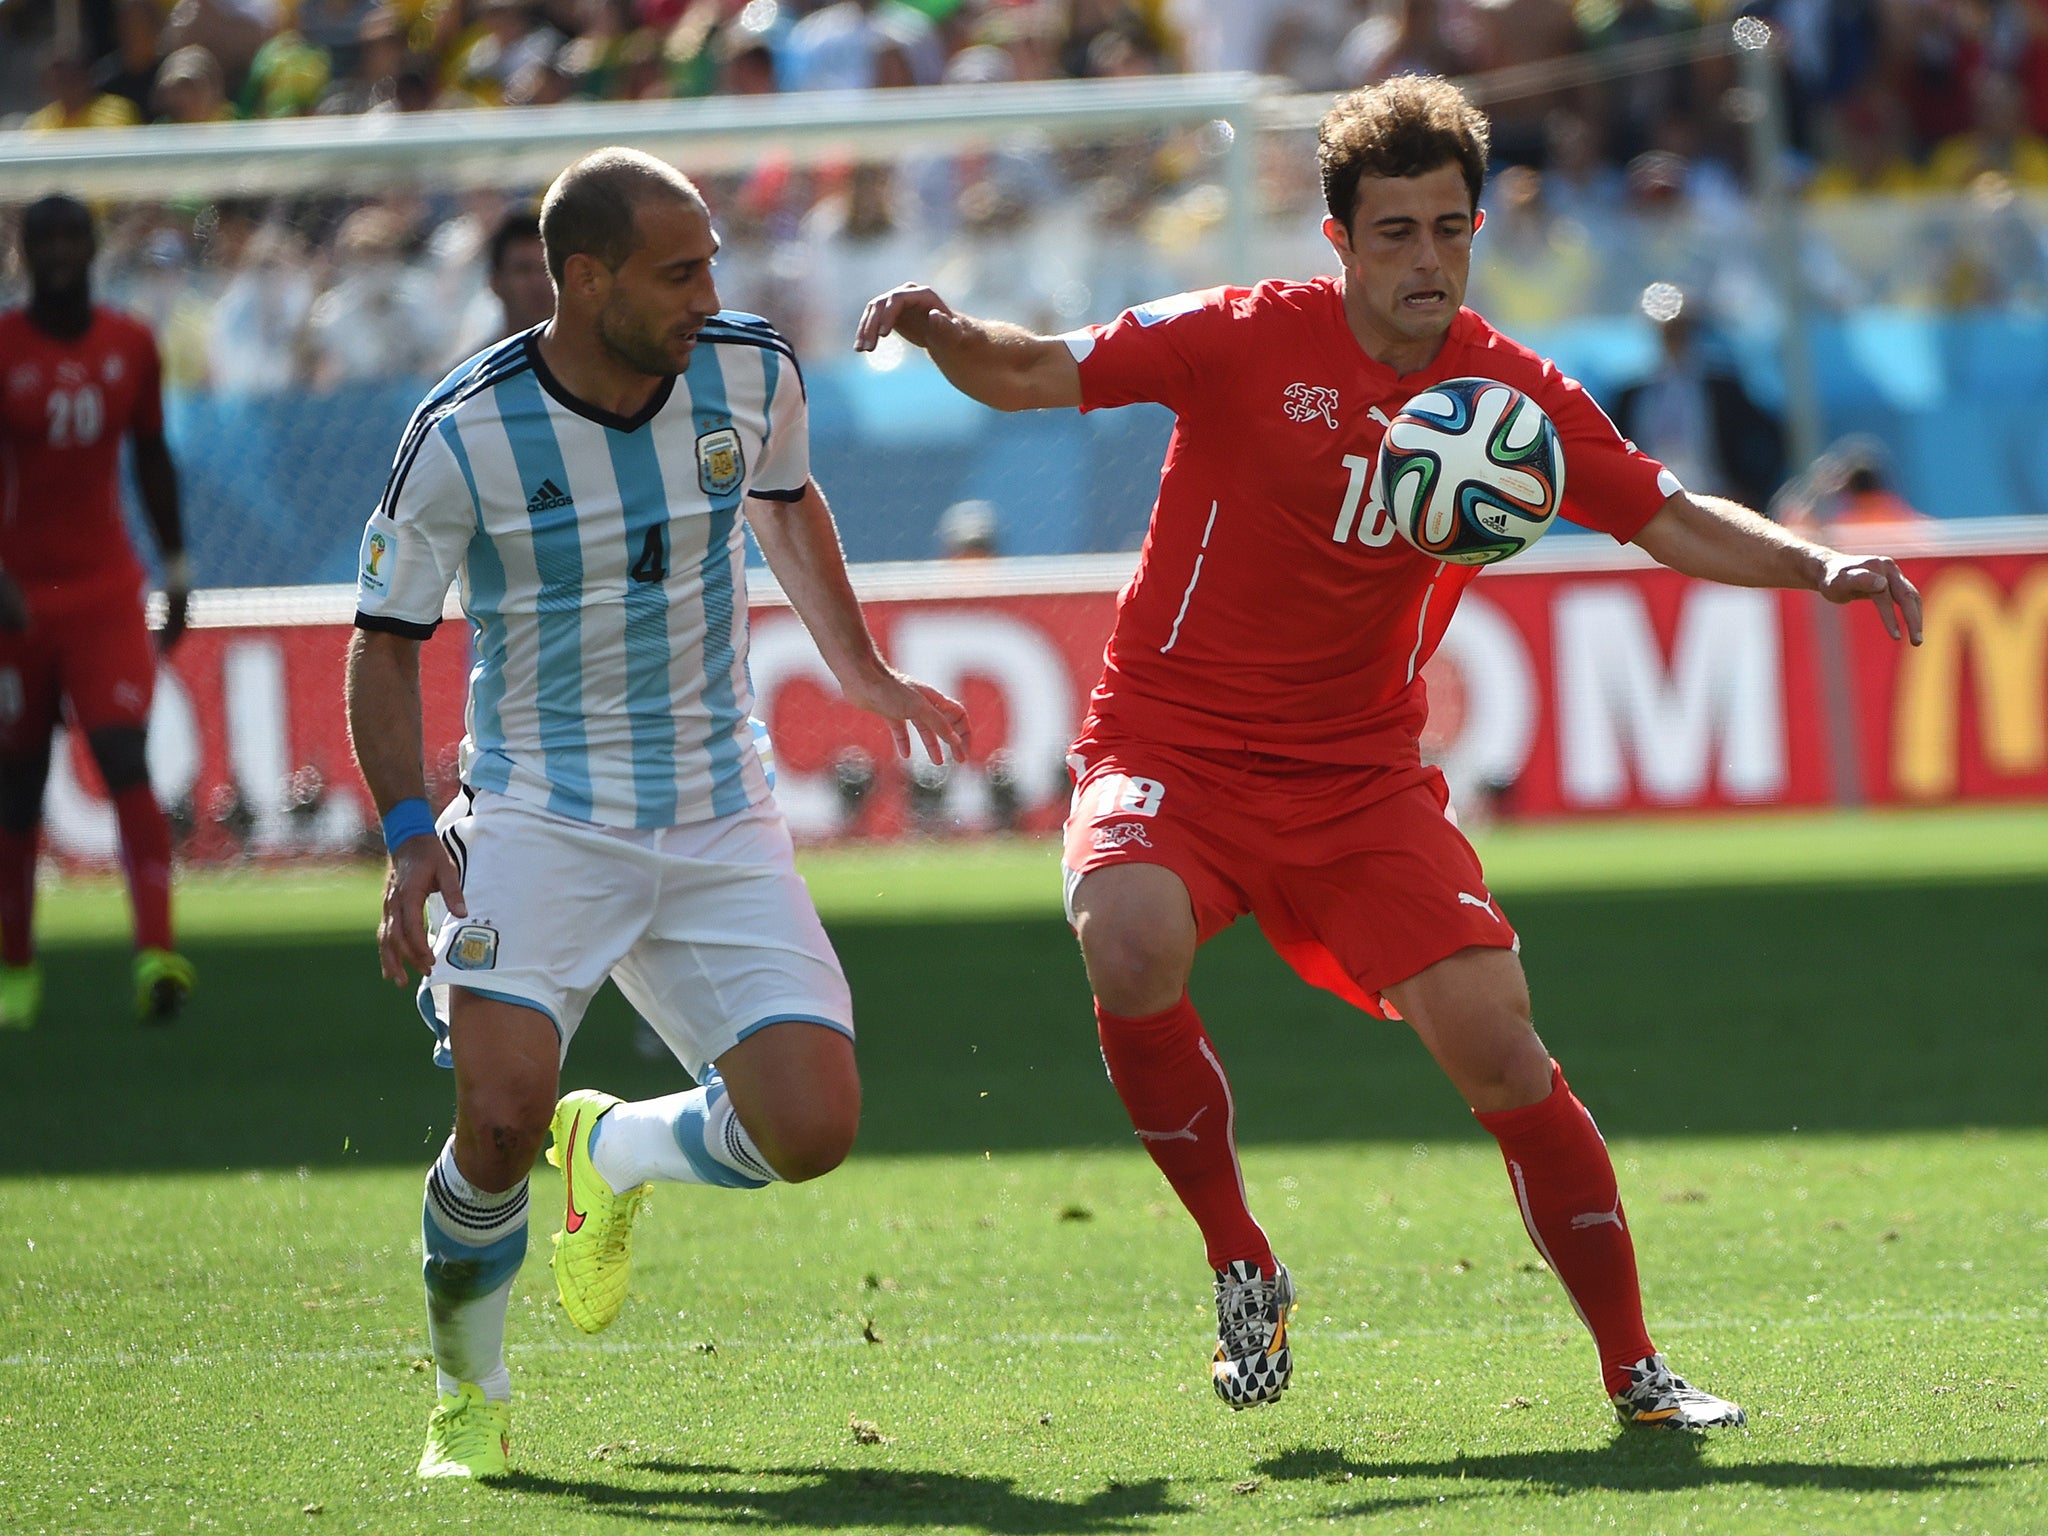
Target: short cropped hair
{"type": "Point", "coordinates": [1407, 126]}
{"type": "Point", "coordinates": [56, 211]}
{"type": "Point", "coordinates": [589, 209]}
{"type": "Point", "coordinates": [512, 229]}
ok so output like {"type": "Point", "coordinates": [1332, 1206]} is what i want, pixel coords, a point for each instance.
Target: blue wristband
{"type": "Point", "coordinates": [406, 820]}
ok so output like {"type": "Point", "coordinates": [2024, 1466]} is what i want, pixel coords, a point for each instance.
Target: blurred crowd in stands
{"type": "Point", "coordinates": [1888, 95]}
{"type": "Point", "coordinates": [1920, 129]}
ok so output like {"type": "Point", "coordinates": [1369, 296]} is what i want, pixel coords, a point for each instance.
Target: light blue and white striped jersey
{"type": "Point", "coordinates": [601, 562]}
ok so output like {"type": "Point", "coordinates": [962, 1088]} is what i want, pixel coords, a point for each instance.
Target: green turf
{"type": "Point", "coordinates": [220, 1353]}
{"type": "Point", "coordinates": [1011, 877]}
{"type": "Point", "coordinates": [1825, 1099]}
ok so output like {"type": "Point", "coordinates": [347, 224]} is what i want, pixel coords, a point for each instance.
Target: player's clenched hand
{"type": "Point", "coordinates": [420, 867]}
{"type": "Point", "coordinates": [909, 705]}
{"type": "Point", "coordinates": [907, 310]}
{"type": "Point", "coordinates": [1850, 577]}
{"type": "Point", "coordinates": [13, 606]}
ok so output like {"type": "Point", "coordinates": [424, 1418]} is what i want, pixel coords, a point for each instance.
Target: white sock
{"type": "Point", "coordinates": [686, 1138]}
{"type": "Point", "coordinates": [474, 1242]}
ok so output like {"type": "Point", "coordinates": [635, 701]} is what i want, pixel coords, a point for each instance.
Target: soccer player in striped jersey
{"type": "Point", "coordinates": [1253, 743]}
{"type": "Point", "coordinates": [586, 486]}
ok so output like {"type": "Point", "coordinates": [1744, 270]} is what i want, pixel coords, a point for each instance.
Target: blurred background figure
{"type": "Point", "coordinates": [371, 80]}
{"type": "Point", "coordinates": [970, 530]}
{"type": "Point", "coordinates": [1998, 140]}
{"type": "Point", "coordinates": [518, 294]}
{"type": "Point", "coordinates": [513, 38]}
{"type": "Point", "coordinates": [73, 101]}
{"type": "Point", "coordinates": [1694, 414]}
{"type": "Point", "coordinates": [1864, 497]}
{"type": "Point", "coordinates": [130, 70]}
{"type": "Point", "coordinates": [841, 47]}
{"type": "Point", "coordinates": [1849, 487]}
{"type": "Point", "coordinates": [1534, 266]}
{"type": "Point", "coordinates": [378, 320]}
{"type": "Point", "coordinates": [287, 78]}
{"type": "Point", "coordinates": [256, 339]}
{"type": "Point", "coordinates": [191, 89]}
{"type": "Point", "coordinates": [851, 237]}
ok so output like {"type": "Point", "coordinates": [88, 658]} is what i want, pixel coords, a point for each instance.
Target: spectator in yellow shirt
{"type": "Point", "coordinates": [2000, 142]}
{"type": "Point", "coordinates": [75, 102]}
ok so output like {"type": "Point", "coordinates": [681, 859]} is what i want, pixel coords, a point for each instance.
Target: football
{"type": "Point", "coordinates": [1472, 471]}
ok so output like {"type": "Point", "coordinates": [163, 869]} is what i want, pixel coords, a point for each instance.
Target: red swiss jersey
{"type": "Point", "coordinates": [1273, 610]}
{"type": "Point", "coordinates": [64, 408]}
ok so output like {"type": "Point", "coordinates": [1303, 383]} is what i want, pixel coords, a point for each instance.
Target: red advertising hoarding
{"type": "Point", "coordinates": [1581, 680]}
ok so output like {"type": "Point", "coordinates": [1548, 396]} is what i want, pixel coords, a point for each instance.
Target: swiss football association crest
{"type": "Point", "coordinates": [1311, 402]}
{"type": "Point", "coordinates": [721, 462]}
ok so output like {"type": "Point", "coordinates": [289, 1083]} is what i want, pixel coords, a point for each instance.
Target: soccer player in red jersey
{"type": "Point", "coordinates": [1252, 745]}
{"type": "Point", "coordinates": [75, 379]}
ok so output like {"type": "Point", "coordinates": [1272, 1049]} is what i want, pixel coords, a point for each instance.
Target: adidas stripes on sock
{"type": "Point", "coordinates": [686, 1138]}
{"type": "Point", "coordinates": [474, 1243]}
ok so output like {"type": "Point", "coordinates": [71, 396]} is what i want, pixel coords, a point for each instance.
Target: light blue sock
{"type": "Point", "coordinates": [686, 1138]}
{"type": "Point", "coordinates": [474, 1243]}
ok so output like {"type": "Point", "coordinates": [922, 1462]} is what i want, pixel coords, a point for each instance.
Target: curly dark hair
{"type": "Point", "coordinates": [1407, 126]}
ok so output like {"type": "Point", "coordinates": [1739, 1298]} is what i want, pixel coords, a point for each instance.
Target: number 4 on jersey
{"type": "Point", "coordinates": [652, 566]}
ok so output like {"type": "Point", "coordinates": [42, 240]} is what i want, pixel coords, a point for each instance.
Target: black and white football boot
{"type": "Point", "coordinates": [1252, 1362]}
{"type": "Point", "coordinates": [1658, 1399]}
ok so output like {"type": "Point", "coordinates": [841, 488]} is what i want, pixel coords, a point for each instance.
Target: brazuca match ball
{"type": "Point", "coordinates": [1472, 471]}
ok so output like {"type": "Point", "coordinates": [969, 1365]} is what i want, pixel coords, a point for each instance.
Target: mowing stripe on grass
{"type": "Point", "coordinates": [1015, 876]}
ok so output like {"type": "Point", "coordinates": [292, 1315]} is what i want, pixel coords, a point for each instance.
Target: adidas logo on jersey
{"type": "Point", "coordinates": [548, 497]}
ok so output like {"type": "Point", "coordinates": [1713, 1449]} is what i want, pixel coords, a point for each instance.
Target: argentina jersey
{"type": "Point", "coordinates": [601, 563]}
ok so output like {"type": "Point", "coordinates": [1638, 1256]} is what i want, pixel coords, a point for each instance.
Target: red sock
{"type": "Point", "coordinates": [146, 855]}
{"type": "Point", "coordinates": [18, 895]}
{"type": "Point", "coordinates": [1564, 1183]}
{"type": "Point", "coordinates": [1167, 1073]}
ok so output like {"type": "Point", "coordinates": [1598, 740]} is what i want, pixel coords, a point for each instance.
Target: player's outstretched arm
{"type": "Point", "coordinates": [1717, 540]}
{"type": "Point", "coordinates": [383, 693]}
{"type": "Point", "coordinates": [801, 543]}
{"type": "Point", "coordinates": [157, 478]}
{"type": "Point", "coordinates": [999, 364]}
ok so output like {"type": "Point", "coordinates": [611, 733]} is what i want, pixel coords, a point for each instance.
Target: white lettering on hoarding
{"type": "Point", "coordinates": [1621, 710]}
{"type": "Point", "coordinates": [82, 825]}
{"type": "Point", "coordinates": [944, 649]}
{"type": "Point", "coordinates": [1501, 698]}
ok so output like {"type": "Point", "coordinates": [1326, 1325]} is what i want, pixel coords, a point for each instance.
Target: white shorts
{"type": "Point", "coordinates": [707, 928]}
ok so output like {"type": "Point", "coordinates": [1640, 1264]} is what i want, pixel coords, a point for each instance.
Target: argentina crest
{"type": "Point", "coordinates": [473, 947]}
{"type": "Point", "coordinates": [721, 462]}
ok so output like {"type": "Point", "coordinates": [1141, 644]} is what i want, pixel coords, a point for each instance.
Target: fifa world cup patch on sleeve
{"type": "Point", "coordinates": [375, 572]}
{"type": "Point", "coordinates": [721, 462]}
{"type": "Point", "coordinates": [473, 947]}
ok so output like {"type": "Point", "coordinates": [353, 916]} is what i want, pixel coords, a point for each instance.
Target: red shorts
{"type": "Point", "coordinates": [1357, 875]}
{"type": "Point", "coordinates": [98, 659]}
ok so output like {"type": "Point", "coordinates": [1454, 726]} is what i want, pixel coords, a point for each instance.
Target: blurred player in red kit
{"type": "Point", "coordinates": [1252, 745]}
{"type": "Point", "coordinates": [75, 379]}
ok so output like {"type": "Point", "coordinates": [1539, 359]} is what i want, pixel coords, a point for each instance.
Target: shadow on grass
{"type": "Point", "coordinates": [1676, 1013]}
{"type": "Point", "coordinates": [832, 1498]}
{"type": "Point", "coordinates": [1635, 1463]}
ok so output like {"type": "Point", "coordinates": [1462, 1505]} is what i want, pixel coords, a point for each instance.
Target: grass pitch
{"type": "Point", "coordinates": [1822, 1076]}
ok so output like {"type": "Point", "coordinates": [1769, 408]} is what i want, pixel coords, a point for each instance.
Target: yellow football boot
{"type": "Point", "coordinates": [593, 1255]}
{"type": "Point", "coordinates": [21, 995]}
{"type": "Point", "coordinates": [163, 982]}
{"type": "Point", "coordinates": [468, 1435]}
